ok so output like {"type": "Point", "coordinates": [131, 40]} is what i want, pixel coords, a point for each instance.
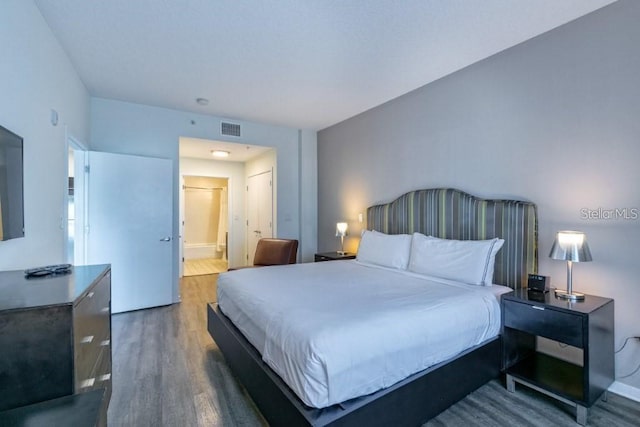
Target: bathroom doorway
{"type": "Point", "coordinates": [205, 226]}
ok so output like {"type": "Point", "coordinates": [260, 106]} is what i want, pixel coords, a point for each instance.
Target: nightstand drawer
{"type": "Point", "coordinates": [545, 322]}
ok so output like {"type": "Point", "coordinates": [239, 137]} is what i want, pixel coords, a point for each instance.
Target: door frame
{"type": "Point", "coordinates": [182, 210]}
{"type": "Point", "coordinates": [75, 144]}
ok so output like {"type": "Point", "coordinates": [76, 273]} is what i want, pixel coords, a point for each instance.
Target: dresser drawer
{"type": "Point", "coordinates": [543, 321]}
{"type": "Point", "coordinates": [103, 372]}
{"type": "Point", "coordinates": [90, 334]}
{"type": "Point", "coordinates": [91, 318]}
{"type": "Point", "coordinates": [96, 300]}
{"type": "Point", "coordinates": [87, 355]}
{"type": "Point", "coordinates": [99, 376]}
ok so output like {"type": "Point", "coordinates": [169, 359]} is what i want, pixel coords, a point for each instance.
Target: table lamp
{"type": "Point", "coordinates": [570, 246]}
{"type": "Point", "coordinates": [341, 231]}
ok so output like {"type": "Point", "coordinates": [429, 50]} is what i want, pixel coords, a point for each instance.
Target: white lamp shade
{"type": "Point", "coordinates": [342, 229]}
{"type": "Point", "coordinates": [571, 246]}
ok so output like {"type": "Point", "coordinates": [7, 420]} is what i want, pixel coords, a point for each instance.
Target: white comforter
{"type": "Point", "coordinates": [337, 330]}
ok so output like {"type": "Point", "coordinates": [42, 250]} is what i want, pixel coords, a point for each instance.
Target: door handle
{"type": "Point", "coordinates": [166, 239]}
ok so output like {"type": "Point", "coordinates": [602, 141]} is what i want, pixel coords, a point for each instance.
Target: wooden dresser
{"type": "Point", "coordinates": [55, 335]}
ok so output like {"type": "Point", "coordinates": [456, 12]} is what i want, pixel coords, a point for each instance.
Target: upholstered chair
{"type": "Point", "coordinates": [274, 252]}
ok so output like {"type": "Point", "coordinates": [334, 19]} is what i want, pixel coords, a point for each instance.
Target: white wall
{"type": "Point", "coordinates": [308, 192]}
{"type": "Point", "coordinates": [36, 76]}
{"type": "Point", "coordinates": [121, 127]}
{"type": "Point", "coordinates": [554, 120]}
{"type": "Point", "coordinates": [235, 172]}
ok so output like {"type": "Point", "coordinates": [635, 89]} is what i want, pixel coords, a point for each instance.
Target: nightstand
{"type": "Point", "coordinates": [586, 325]}
{"type": "Point", "coordinates": [333, 256]}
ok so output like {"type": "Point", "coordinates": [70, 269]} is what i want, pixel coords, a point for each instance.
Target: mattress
{"type": "Point", "coordinates": [337, 330]}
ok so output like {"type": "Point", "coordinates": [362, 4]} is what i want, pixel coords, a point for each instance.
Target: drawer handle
{"type": "Point", "coordinates": [104, 309]}
{"type": "Point", "coordinates": [105, 377]}
{"type": "Point", "coordinates": [90, 294]}
{"type": "Point", "coordinates": [87, 339]}
{"type": "Point", "coordinates": [105, 343]}
{"type": "Point", "coordinates": [537, 308]}
{"type": "Point", "coordinates": [87, 383]}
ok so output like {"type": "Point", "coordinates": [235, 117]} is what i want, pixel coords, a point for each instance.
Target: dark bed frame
{"type": "Point", "coordinates": [445, 213]}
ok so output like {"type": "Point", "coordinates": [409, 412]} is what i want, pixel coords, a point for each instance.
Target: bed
{"type": "Point", "coordinates": [423, 390]}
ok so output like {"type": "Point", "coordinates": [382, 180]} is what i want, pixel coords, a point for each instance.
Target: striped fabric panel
{"type": "Point", "coordinates": [452, 214]}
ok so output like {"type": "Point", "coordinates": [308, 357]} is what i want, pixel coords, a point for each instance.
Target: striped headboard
{"type": "Point", "coordinates": [452, 214]}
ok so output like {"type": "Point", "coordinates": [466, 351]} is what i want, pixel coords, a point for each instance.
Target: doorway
{"type": "Point", "coordinates": [76, 203]}
{"type": "Point", "coordinates": [259, 210]}
{"type": "Point", "coordinates": [205, 225]}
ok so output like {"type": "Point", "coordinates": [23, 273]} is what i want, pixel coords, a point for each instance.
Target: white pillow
{"type": "Point", "coordinates": [466, 261]}
{"type": "Point", "coordinates": [387, 250]}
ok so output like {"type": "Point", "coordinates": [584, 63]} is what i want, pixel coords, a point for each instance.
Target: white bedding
{"type": "Point", "coordinates": [337, 330]}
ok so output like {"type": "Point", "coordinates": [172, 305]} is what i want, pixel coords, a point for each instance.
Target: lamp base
{"type": "Point", "coordinates": [573, 296]}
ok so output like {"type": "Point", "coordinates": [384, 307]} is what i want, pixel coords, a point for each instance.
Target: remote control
{"type": "Point", "coordinates": [47, 270]}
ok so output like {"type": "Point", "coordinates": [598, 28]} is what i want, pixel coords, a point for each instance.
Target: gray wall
{"type": "Point", "coordinates": [554, 120]}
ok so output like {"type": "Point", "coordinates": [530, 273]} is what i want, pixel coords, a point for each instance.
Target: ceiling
{"type": "Point", "coordinates": [298, 63]}
{"type": "Point", "coordinates": [196, 148]}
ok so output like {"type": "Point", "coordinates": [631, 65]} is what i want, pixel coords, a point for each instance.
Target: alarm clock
{"type": "Point", "coordinates": [538, 283]}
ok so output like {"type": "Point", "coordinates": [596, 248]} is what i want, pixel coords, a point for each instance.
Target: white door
{"type": "Point", "coordinates": [130, 226]}
{"type": "Point", "coordinates": [259, 211]}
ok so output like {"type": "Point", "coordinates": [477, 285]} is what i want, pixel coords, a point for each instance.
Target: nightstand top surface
{"type": "Point", "coordinates": [336, 255]}
{"type": "Point", "coordinates": [590, 303]}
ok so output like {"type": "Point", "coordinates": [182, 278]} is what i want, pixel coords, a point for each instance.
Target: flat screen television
{"type": "Point", "coordinates": [11, 186]}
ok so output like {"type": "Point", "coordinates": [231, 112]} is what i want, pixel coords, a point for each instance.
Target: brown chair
{"type": "Point", "coordinates": [274, 252]}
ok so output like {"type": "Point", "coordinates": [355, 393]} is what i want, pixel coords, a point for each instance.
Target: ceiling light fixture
{"type": "Point", "coordinates": [220, 153]}
{"type": "Point", "coordinates": [202, 101]}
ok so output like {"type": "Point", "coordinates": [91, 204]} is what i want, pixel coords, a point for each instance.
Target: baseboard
{"type": "Point", "coordinates": [625, 390]}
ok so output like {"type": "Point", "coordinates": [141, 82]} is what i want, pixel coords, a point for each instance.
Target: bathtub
{"type": "Point", "coordinates": [202, 250]}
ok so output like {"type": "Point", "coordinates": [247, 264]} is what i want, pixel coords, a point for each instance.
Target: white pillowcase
{"type": "Point", "coordinates": [466, 261]}
{"type": "Point", "coordinates": [387, 250]}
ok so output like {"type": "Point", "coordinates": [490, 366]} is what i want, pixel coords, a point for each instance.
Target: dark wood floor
{"type": "Point", "coordinates": [167, 371]}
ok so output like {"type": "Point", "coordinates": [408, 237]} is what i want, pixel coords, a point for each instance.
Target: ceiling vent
{"type": "Point", "coordinates": [230, 129]}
